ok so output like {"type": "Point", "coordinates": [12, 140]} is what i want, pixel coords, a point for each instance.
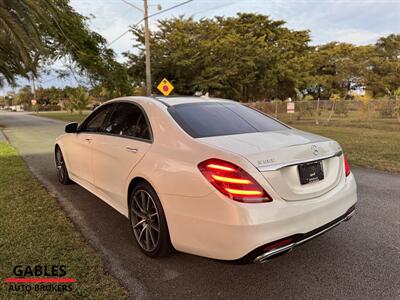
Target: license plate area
{"type": "Point", "coordinates": [311, 171]}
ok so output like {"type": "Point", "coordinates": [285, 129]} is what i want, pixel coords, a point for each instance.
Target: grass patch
{"type": "Point", "coordinates": [371, 148]}
{"type": "Point", "coordinates": [371, 143]}
{"type": "Point", "coordinates": [64, 116]}
{"type": "Point", "coordinates": [35, 231]}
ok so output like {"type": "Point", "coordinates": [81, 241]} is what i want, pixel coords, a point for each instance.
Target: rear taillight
{"type": "Point", "coordinates": [233, 181]}
{"type": "Point", "coordinates": [346, 166]}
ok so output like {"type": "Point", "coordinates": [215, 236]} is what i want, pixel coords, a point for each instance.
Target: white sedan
{"type": "Point", "coordinates": [206, 176]}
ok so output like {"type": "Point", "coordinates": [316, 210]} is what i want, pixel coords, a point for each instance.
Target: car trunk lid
{"type": "Point", "coordinates": [278, 154]}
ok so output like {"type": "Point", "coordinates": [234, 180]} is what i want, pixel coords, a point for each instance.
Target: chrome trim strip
{"type": "Point", "coordinates": [275, 167]}
{"type": "Point", "coordinates": [263, 257]}
{"type": "Point", "coordinates": [346, 218]}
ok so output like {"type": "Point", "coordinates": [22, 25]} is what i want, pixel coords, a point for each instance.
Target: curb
{"type": "Point", "coordinates": [3, 137]}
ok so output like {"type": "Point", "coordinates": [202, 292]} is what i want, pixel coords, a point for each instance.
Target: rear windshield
{"type": "Point", "coordinates": [220, 118]}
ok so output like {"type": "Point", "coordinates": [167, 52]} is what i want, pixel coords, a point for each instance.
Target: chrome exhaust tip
{"type": "Point", "coordinates": [272, 253]}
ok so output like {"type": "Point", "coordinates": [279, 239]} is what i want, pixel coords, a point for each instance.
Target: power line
{"type": "Point", "coordinates": [118, 37]}
{"type": "Point", "coordinates": [133, 5]}
{"type": "Point", "coordinates": [121, 35]}
{"type": "Point", "coordinates": [212, 8]}
{"type": "Point", "coordinates": [167, 9]}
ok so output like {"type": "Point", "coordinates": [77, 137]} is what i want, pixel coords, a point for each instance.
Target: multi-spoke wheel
{"type": "Point", "coordinates": [62, 172]}
{"type": "Point", "coordinates": [148, 221]}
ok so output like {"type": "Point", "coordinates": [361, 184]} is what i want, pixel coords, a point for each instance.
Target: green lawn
{"type": "Point", "coordinates": [63, 116]}
{"type": "Point", "coordinates": [35, 231]}
{"type": "Point", "coordinates": [371, 143]}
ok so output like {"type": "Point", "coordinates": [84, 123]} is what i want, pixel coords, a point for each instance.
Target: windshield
{"type": "Point", "coordinates": [221, 118]}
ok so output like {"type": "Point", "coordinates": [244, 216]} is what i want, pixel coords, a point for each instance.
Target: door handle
{"type": "Point", "coordinates": [131, 149]}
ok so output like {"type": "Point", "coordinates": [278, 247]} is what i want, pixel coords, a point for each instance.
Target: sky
{"type": "Point", "coordinates": [354, 21]}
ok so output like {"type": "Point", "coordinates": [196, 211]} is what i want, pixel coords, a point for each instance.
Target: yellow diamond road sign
{"type": "Point", "coordinates": [165, 87]}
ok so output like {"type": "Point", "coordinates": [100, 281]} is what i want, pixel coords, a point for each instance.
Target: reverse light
{"type": "Point", "coordinates": [233, 181]}
{"type": "Point", "coordinates": [346, 166]}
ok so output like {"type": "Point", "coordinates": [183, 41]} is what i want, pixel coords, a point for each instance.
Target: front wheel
{"type": "Point", "coordinates": [148, 222]}
{"type": "Point", "coordinates": [62, 172]}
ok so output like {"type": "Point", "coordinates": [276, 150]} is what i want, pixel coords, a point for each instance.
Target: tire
{"type": "Point", "coordinates": [62, 172]}
{"type": "Point", "coordinates": [148, 223]}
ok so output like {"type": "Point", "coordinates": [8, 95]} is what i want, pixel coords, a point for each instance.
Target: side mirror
{"type": "Point", "coordinates": [71, 127]}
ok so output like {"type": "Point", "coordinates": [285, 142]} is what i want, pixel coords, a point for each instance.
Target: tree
{"type": "Point", "coordinates": [25, 95]}
{"type": "Point", "coordinates": [40, 31]}
{"type": "Point", "coordinates": [79, 99]}
{"type": "Point", "coordinates": [51, 95]}
{"type": "Point", "coordinates": [384, 75]}
{"type": "Point", "coordinates": [246, 57]}
{"type": "Point", "coordinates": [20, 37]}
{"type": "Point", "coordinates": [338, 68]}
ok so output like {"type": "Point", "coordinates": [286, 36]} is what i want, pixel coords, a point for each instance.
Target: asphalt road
{"type": "Point", "coordinates": [359, 259]}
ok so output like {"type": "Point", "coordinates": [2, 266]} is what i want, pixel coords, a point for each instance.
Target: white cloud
{"type": "Point", "coordinates": [353, 36]}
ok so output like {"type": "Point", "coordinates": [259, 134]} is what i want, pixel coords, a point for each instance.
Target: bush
{"type": "Point", "coordinates": [308, 98]}
{"type": "Point", "coordinates": [41, 107]}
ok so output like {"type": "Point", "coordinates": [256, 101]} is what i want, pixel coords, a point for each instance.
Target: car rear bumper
{"type": "Point", "coordinates": [217, 227]}
{"type": "Point", "coordinates": [263, 253]}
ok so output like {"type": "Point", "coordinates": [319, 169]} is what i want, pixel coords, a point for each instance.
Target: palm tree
{"type": "Point", "coordinates": [79, 99]}
{"type": "Point", "coordinates": [20, 37]}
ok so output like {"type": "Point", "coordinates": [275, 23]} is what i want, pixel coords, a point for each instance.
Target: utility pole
{"type": "Point", "coordinates": [33, 87]}
{"type": "Point", "coordinates": [34, 92]}
{"type": "Point", "coordinates": [145, 11]}
{"type": "Point", "coordinates": [147, 48]}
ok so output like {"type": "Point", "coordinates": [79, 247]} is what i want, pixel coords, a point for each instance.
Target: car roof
{"type": "Point", "coordinates": [175, 100]}
{"type": "Point", "coordinates": [171, 101]}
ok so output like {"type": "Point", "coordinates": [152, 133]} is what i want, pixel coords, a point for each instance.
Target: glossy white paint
{"type": "Point", "coordinates": [201, 220]}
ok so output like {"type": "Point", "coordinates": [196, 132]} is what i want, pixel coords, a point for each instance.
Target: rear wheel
{"type": "Point", "coordinates": [62, 172]}
{"type": "Point", "coordinates": [148, 222]}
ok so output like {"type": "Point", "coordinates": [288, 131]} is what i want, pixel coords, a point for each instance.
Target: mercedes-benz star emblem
{"type": "Point", "coordinates": [314, 149]}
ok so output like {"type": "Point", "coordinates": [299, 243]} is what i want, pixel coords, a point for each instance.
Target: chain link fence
{"type": "Point", "coordinates": [383, 109]}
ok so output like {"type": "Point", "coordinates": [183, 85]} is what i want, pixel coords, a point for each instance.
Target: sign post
{"type": "Point", "coordinates": [165, 87]}
{"type": "Point", "coordinates": [34, 102]}
{"type": "Point", "coordinates": [290, 109]}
